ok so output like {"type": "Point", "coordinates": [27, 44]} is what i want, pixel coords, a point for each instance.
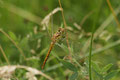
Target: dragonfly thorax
{"type": "Point", "coordinates": [57, 34]}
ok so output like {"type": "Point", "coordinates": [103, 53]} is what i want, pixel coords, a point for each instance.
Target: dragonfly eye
{"type": "Point", "coordinates": [59, 30]}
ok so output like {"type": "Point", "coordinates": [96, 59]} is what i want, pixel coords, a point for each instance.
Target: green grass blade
{"type": "Point", "coordinates": [91, 41]}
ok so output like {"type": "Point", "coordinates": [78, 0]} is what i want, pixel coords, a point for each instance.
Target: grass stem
{"type": "Point", "coordinates": [65, 26]}
{"type": "Point", "coordinates": [20, 50]}
{"type": "Point", "coordinates": [113, 12]}
{"type": "Point", "coordinates": [2, 51]}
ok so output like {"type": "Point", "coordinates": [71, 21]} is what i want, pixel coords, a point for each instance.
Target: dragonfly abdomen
{"type": "Point", "coordinates": [50, 49]}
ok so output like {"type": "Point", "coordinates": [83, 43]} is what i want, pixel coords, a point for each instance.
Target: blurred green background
{"type": "Point", "coordinates": [74, 12]}
{"type": "Point", "coordinates": [20, 28]}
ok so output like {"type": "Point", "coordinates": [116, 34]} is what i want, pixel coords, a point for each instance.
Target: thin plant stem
{"type": "Point", "coordinates": [65, 26]}
{"type": "Point", "coordinates": [113, 12]}
{"type": "Point", "coordinates": [4, 55]}
{"type": "Point", "coordinates": [20, 50]}
{"type": "Point", "coordinates": [2, 51]}
{"type": "Point", "coordinates": [90, 56]}
{"type": "Point", "coordinates": [91, 42]}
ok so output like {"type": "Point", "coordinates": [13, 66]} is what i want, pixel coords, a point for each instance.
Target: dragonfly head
{"type": "Point", "coordinates": [61, 30]}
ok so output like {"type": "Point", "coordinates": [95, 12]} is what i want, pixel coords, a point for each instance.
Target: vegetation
{"type": "Point", "coordinates": [88, 50]}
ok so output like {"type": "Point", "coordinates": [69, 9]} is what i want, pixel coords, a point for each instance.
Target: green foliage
{"type": "Point", "coordinates": [96, 67]}
{"type": "Point", "coordinates": [110, 75]}
{"type": "Point", "coordinates": [72, 68]}
{"type": "Point", "coordinates": [104, 72]}
{"type": "Point", "coordinates": [73, 76]}
{"type": "Point", "coordinates": [12, 35]}
{"type": "Point", "coordinates": [106, 68]}
{"type": "Point", "coordinates": [69, 65]}
{"type": "Point", "coordinates": [20, 73]}
{"type": "Point", "coordinates": [21, 20]}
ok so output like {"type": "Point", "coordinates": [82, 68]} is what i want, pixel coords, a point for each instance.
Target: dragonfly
{"type": "Point", "coordinates": [54, 38]}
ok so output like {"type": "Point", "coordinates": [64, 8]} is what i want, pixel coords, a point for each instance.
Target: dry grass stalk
{"type": "Point", "coordinates": [2, 51]}
{"type": "Point", "coordinates": [65, 26]}
{"type": "Point", "coordinates": [46, 20]}
{"type": "Point", "coordinates": [7, 71]}
{"type": "Point", "coordinates": [113, 12]}
{"type": "Point", "coordinates": [77, 26]}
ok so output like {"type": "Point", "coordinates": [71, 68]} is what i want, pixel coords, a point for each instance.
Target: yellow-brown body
{"type": "Point", "coordinates": [54, 39]}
